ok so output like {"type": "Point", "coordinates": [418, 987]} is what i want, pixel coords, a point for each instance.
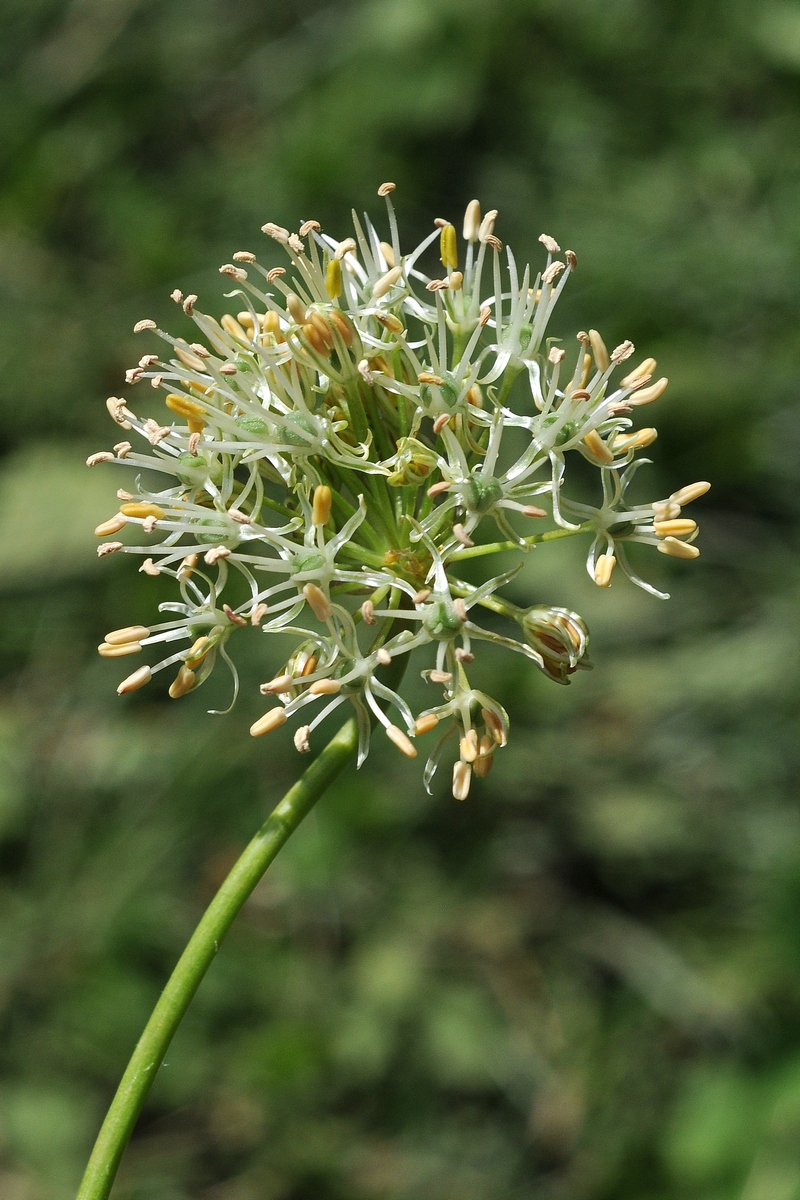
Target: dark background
{"type": "Point", "coordinates": [583, 983]}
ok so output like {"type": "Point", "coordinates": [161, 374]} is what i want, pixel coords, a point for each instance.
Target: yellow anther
{"type": "Point", "coordinates": [679, 528]}
{"type": "Point", "coordinates": [597, 447]}
{"type": "Point", "coordinates": [271, 324]}
{"type": "Point", "coordinates": [387, 282]}
{"type": "Point", "coordinates": [462, 778]}
{"type": "Point", "coordinates": [131, 633]}
{"type": "Point", "coordinates": [342, 325]}
{"type": "Point", "coordinates": [400, 739]}
{"type": "Point", "coordinates": [316, 339]}
{"type": "Point", "coordinates": [647, 395]}
{"type": "Point", "coordinates": [603, 569]}
{"type": "Point", "coordinates": [321, 507]}
{"type": "Point", "coordinates": [692, 491]}
{"type": "Point", "coordinates": [190, 360]}
{"type": "Point", "coordinates": [112, 525]}
{"type": "Point", "coordinates": [270, 720]}
{"type": "Point", "coordinates": [142, 508]}
{"type": "Point", "coordinates": [646, 367]}
{"type": "Point", "coordinates": [678, 549]}
{"type": "Point", "coordinates": [426, 724]}
{"type": "Point", "coordinates": [390, 321]}
{"type": "Point", "coordinates": [232, 326]}
{"type": "Point", "coordinates": [183, 683]}
{"type": "Point", "coordinates": [448, 248]}
{"type": "Point", "coordinates": [333, 279]}
{"type": "Point", "coordinates": [472, 221]}
{"type": "Point", "coordinates": [295, 308]}
{"type": "Point", "coordinates": [198, 652]}
{"type": "Point", "coordinates": [183, 406]}
{"type": "Point", "coordinates": [601, 356]}
{"type": "Point", "coordinates": [135, 681]}
{"type": "Point", "coordinates": [107, 650]}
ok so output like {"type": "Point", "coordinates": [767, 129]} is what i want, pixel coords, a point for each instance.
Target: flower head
{"type": "Point", "coordinates": [338, 445]}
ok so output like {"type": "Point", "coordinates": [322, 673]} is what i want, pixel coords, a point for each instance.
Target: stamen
{"type": "Point", "coordinates": [135, 681]}
{"type": "Point", "coordinates": [462, 778]}
{"type": "Point", "coordinates": [271, 720]}
{"type": "Point", "coordinates": [402, 741]}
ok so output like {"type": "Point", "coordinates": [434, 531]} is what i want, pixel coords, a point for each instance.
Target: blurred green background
{"type": "Point", "coordinates": [583, 983]}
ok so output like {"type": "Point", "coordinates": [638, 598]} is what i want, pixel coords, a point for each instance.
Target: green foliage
{"type": "Point", "coordinates": [583, 983]}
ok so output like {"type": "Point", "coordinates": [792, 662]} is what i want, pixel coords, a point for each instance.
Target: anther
{"type": "Point", "coordinates": [462, 778]}
{"type": "Point", "coordinates": [300, 739]}
{"type": "Point", "coordinates": [495, 726]}
{"type": "Point", "coordinates": [244, 256]}
{"type": "Point", "coordinates": [117, 409]}
{"type": "Point", "coordinates": [112, 525]}
{"type": "Point", "coordinates": [368, 613]}
{"type": "Point", "coordinates": [271, 720]}
{"type": "Point", "coordinates": [241, 518]}
{"type": "Point", "coordinates": [603, 568]}
{"type": "Point", "coordinates": [232, 326]}
{"type": "Point", "coordinates": [233, 272]}
{"type": "Point", "coordinates": [140, 326]}
{"type": "Point", "coordinates": [678, 527]}
{"type": "Point", "coordinates": [318, 602]}
{"type": "Point", "coordinates": [464, 656]}
{"type": "Point", "coordinates": [296, 308]}
{"type": "Point", "coordinates": [468, 746]}
{"type": "Point", "coordinates": [601, 355]}
{"type": "Point", "coordinates": [325, 687]}
{"type": "Point", "coordinates": [622, 352]}
{"type": "Point", "coordinates": [550, 244]}
{"type": "Point", "coordinates": [333, 278]}
{"type": "Point", "coordinates": [644, 368]}
{"type": "Point", "coordinates": [555, 355]}
{"type": "Point", "coordinates": [308, 226]}
{"type": "Point", "coordinates": [109, 548]}
{"type": "Point", "coordinates": [234, 617]}
{"type": "Point", "coordinates": [102, 456]}
{"type": "Point", "coordinates": [597, 447]}
{"type": "Point", "coordinates": [135, 681]}
{"type": "Point", "coordinates": [383, 656]}
{"type": "Point", "coordinates": [142, 508]}
{"type": "Point", "coordinates": [425, 724]}
{"type": "Point", "coordinates": [486, 227]}
{"type": "Point", "coordinates": [530, 510]}
{"type": "Point", "coordinates": [402, 741]}
{"type": "Point", "coordinates": [678, 549]}
{"type": "Point", "coordinates": [277, 232]}
{"type": "Point", "coordinates": [130, 633]}
{"type": "Point", "coordinates": [275, 273]}
{"type": "Point", "coordinates": [387, 282]}
{"type": "Point", "coordinates": [692, 491]}
{"type": "Point", "coordinates": [188, 305]}
{"type": "Point", "coordinates": [348, 246]}
{"type": "Point", "coordinates": [281, 683]}
{"type": "Point", "coordinates": [440, 676]}
{"type": "Point", "coordinates": [485, 316]}
{"type": "Point", "coordinates": [386, 189]}
{"type": "Point", "coordinates": [183, 683]}
{"type": "Point", "coordinates": [634, 441]}
{"type": "Point", "coordinates": [472, 221]}
{"type": "Point", "coordinates": [213, 555]}
{"type": "Point", "coordinates": [107, 650]}
{"type": "Point", "coordinates": [648, 394]}
{"type": "Point", "coordinates": [148, 567]}
{"type": "Point", "coordinates": [421, 596]}
{"type": "Point", "coordinates": [177, 296]}
{"type": "Point", "coordinates": [460, 534]}
{"type": "Point", "coordinates": [440, 422]}
{"type": "Point", "coordinates": [389, 321]}
{"type": "Point", "coordinates": [429, 377]}
{"type": "Point", "coordinates": [448, 249]}
{"type": "Point", "coordinates": [122, 449]}
{"type": "Point", "coordinates": [553, 271]}
{"type": "Point", "coordinates": [258, 613]}
{"type": "Point", "coordinates": [572, 263]}
{"type": "Point", "coordinates": [493, 242]}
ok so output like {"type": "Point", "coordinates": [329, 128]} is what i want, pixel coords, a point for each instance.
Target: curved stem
{"type": "Point", "coordinates": [198, 956]}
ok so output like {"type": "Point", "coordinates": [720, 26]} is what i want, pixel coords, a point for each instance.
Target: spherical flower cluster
{"type": "Point", "coordinates": [332, 453]}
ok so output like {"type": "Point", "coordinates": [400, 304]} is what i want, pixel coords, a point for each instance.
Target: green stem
{"type": "Point", "coordinates": [552, 535]}
{"type": "Point", "coordinates": [198, 956]}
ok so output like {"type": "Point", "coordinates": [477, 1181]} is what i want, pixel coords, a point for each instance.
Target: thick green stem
{"type": "Point", "coordinates": [198, 956]}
